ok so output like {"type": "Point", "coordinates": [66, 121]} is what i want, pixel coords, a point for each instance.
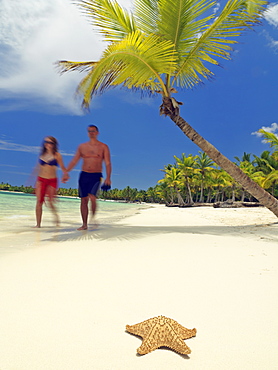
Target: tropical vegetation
{"type": "Point", "coordinates": [195, 179]}
{"type": "Point", "coordinates": [166, 45]}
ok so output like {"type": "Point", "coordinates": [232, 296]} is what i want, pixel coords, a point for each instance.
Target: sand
{"type": "Point", "coordinates": [65, 304]}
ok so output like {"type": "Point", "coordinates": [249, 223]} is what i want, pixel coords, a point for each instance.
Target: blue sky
{"type": "Point", "coordinates": [35, 101]}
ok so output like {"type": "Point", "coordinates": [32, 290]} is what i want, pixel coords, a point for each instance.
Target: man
{"type": "Point", "coordinates": [93, 154]}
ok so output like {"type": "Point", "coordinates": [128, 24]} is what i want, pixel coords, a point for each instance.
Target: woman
{"type": "Point", "coordinates": [47, 182]}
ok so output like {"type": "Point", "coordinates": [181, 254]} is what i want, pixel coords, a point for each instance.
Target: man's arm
{"type": "Point", "coordinates": [72, 163]}
{"type": "Point", "coordinates": [108, 166]}
{"type": "Point", "coordinates": [74, 160]}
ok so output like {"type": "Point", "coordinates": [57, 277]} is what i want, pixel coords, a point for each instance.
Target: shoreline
{"type": "Point", "coordinates": [65, 304]}
{"type": "Point", "coordinates": [74, 197]}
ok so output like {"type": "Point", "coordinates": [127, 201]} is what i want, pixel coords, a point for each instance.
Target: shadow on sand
{"type": "Point", "coordinates": [127, 232]}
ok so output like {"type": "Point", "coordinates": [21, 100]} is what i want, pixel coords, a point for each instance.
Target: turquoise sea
{"type": "Point", "coordinates": [17, 218]}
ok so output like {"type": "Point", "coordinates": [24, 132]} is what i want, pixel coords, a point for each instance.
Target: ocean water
{"type": "Point", "coordinates": [17, 220]}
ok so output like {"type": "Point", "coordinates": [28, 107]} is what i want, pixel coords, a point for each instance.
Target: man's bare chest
{"type": "Point", "coordinates": [92, 151]}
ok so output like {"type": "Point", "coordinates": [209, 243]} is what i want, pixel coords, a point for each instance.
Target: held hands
{"type": "Point", "coordinates": [65, 177]}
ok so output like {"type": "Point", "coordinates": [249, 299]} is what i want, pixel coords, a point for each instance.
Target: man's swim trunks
{"type": "Point", "coordinates": [89, 183]}
{"type": "Point", "coordinates": [44, 183]}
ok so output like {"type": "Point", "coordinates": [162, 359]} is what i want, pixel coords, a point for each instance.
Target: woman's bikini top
{"type": "Point", "coordinates": [52, 162]}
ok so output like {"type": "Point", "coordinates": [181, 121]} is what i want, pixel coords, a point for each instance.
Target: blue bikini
{"type": "Point", "coordinates": [53, 162]}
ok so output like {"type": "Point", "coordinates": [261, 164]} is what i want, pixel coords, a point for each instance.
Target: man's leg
{"type": "Point", "coordinates": [93, 199]}
{"type": "Point", "coordinates": [84, 213]}
{"type": "Point", "coordinates": [94, 203]}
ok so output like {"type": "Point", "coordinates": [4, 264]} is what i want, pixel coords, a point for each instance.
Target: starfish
{"type": "Point", "coordinates": [162, 331]}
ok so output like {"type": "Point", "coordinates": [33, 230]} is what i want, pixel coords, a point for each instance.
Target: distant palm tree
{"type": "Point", "coordinates": [270, 138]}
{"type": "Point", "coordinates": [271, 180]}
{"type": "Point", "coordinates": [222, 181]}
{"type": "Point", "coordinates": [186, 164]}
{"type": "Point", "coordinates": [152, 195]}
{"type": "Point", "coordinates": [245, 158]}
{"type": "Point", "coordinates": [266, 162]}
{"type": "Point", "coordinates": [164, 193]}
{"type": "Point", "coordinates": [204, 165]}
{"type": "Point", "coordinates": [164, 45]}
{"type": "Point", "coordinates": [173, 179]}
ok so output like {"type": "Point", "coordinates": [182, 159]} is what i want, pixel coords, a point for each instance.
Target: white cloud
{"type": "Point", "coordinates": [271, 14]}
{"type": "Point", "coordinates": [18, 173]}
{"type": "Point", "coordinates": [272, 128]}
{"type": "Point", "coordinates": [33, 35]}
{"type": "Point", "coordinates": [7, 165]}
{"type": "Point", "coordinates": [271, 41]}
{"type": "Point", "coordinates": [216, 8]}
{"type": "Point", "coordinates": [7, 145]}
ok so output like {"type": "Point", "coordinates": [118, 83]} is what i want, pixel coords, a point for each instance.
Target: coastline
{"type": "Point", "coordinates": [17, 218]}
{"type": "Point", "coordinates": [66, 304]}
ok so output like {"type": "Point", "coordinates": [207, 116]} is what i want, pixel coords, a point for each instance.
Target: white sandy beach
{"type": "Point", "coordinates": [65, 303]}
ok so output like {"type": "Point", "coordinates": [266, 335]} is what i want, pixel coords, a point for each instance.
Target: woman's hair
{"type": "Point", "coordinates": [55, 146]}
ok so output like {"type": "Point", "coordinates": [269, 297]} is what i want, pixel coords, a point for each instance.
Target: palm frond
{"type": "Point", "coordinates": [270, 138]}
{"type": "Point", "coordinates": [146, 14]}
{"type": "Point", "coordinates": [169, 39]}
{"type": "Point", "coordinates": [135, 62]}
{"type": "Point", "coordinates": [180, 20]}
{"type": "Point", "coordinates": [270, 179]}
{"type": "Point", "coordinates": [216, 40]}
{"type": "Point", "coordinates": [112, 21]}
{"type": "Point", "coordinates": [66, 66]}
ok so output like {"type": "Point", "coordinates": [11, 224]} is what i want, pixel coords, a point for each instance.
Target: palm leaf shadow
{"type": "Point", "coordinates": [129, 232]}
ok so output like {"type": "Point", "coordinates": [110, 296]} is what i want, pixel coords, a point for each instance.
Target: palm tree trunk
{"type": "Point", "coordinates": [208, 196]}
{"type": "Point", "coordinates": [233, 193]}
{"type": "Point", "coordinates": [201, 200]}
{"type": "Point", "coordinates": [189, 192]}
{"type": "Point", "coordinates": [181, 202]}
{"type": "Point", "coordinates": [252, 187]}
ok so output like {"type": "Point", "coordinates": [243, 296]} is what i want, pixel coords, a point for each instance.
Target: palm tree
{"type": "Point", "coordinates": [245, 158]}
{"type": "Point", "coordinates": [186, 164]}
{"type": "Point", "coordinates": [129, 194]}
{"type": "Point", "coordinates": [164, 193]}
{"type": "Point", "coordinates": [204, 165]}
{"type": "Point", "coordinates": [173, 179]}
{"type": "Point", "coordinates": [247, 167]}
{"type": "Point", "coordinates": [152, 195]}
{"type": "Point", "coordinates": [164, 45]}
{"type": "Point", "coordinates": [271, 180]}
{"type": "Point", "coordinates": [222, 180]}
{"type": "Point", "coordinates": [266, 162]}
{"type": "Point", "coordinates": [270, 138]}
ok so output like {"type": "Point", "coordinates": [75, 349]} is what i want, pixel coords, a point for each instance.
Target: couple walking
{"type": "Point", "coordinates": [93, 153]}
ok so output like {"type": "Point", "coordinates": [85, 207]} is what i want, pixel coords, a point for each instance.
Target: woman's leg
{"type": "Point", "coordinates": [51, 191]}
{"type": "Point", "coordinates": [38, 205]}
